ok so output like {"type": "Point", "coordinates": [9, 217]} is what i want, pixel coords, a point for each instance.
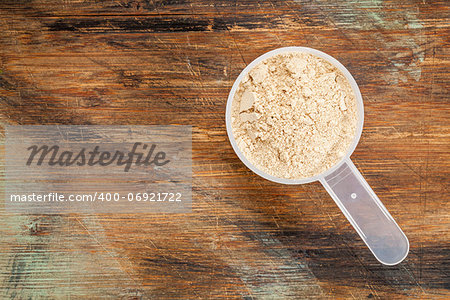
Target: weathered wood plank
{"type": "Point", "coordinates": [173, 62]}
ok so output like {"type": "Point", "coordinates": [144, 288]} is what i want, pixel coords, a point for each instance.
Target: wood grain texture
{"type": "Point", "coordinates": [173, 62]}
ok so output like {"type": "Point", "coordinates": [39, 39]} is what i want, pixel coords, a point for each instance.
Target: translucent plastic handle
{"type": "Point", "coordinates": [367, 214]}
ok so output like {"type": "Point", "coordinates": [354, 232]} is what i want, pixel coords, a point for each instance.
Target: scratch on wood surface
{"type": "Point", "coordinates": [271, 248]}
{"type": "Point", "coordinates": [274, 33]}
{"type": "Point", "coordinates": [415, 172]}
{"type": "Point", "coordinates": [231, 35]}
{"type": "Point", "coordinates": [413, 277]}
{"type": "Point", "coordinates": [91, 221]}
{"type": "Point", "coordinates": [175, 269]}
{"type": "Point", "coordinates": [365, 15]}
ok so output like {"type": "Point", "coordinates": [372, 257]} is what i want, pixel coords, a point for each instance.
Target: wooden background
{"type": "Point", "coordinates": [173, 62]}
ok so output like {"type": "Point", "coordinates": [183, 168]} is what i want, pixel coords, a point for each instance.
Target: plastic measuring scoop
{"type": "Point", "coordinates": [343, 181]}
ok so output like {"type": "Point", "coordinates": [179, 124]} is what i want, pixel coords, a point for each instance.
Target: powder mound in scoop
{"type": "Point", "coordinates": [294, 115]}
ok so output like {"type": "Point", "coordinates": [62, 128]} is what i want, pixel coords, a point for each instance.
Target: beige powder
{"type": "Point", "coordinates": [294, 115]}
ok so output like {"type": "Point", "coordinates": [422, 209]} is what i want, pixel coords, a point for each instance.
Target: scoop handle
{"type": "Point", "coordinates": [366, 213]}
